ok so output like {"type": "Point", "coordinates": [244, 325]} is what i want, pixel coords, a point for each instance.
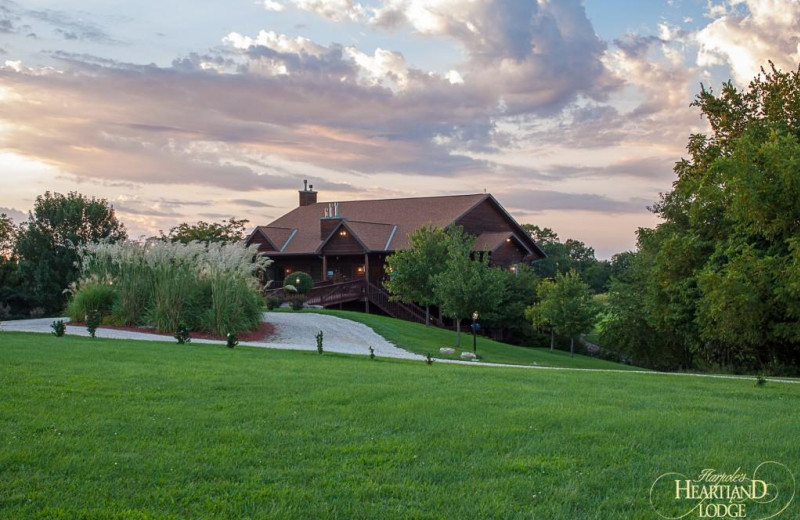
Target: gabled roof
{"type": "Point", "coordinates": [380, 225]}
{"type": "Point", "coordinates": [375, 218]}
{"type": "Point", "coordinates": [492, 241]}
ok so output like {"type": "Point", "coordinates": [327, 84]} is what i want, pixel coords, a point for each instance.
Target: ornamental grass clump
{"type": "Point", "coordinates": [209, 288]}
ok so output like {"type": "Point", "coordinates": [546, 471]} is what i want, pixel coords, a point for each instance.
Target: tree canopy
{"type": "Point", "coordinates": [47, 243]}
{"type": "Point", "coordinates": [226, 231]}
{"type": "Point", "coordinates": [718, 279]}
{"type": "Point", "coordinates": [566, 307]}
{"type": "Point", "coordinates": [467, 283]}
{"type": "Point", "coordinates": [412, 271]}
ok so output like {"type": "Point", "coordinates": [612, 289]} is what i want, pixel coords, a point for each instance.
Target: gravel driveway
{"type": "Point", "coordinates": [292, 332]}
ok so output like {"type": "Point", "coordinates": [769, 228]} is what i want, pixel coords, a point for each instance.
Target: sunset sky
{"type": "Point", "coordinates": [571, 113]}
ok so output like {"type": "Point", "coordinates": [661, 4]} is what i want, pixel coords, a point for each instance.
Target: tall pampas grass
{"type": "Point", "coordinates": [212, 288]}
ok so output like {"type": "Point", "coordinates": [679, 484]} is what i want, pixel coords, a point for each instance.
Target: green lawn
{"type": "Point", "coordinates": [110, 429]}
{"type": "Point", "coordinates": [420, 339]}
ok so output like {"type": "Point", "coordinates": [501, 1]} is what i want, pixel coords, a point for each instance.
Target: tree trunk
{"type": "Point", "coordinates": [427, 315]}
{"type": "Point", "coordinates": [458, 332]}
{"type": "Point", "coordinates": [572, 346]}
{"type": "Point", "coordinates": [552, 339]}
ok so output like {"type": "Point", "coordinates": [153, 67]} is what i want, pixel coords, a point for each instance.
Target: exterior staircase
{"type": "Point", "coordinates": [326, 294]}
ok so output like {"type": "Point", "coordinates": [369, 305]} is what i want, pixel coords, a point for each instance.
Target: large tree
{"type": "Point", "coordinates": [412, 271]}
{"type": "Point", "coordinates": [47, 243]}
{"type": "Point", "coordinates": [722, 279]}
{"type": "Point", "coordinates": [467, 284]}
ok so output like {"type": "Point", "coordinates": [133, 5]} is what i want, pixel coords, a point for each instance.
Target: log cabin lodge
{"type": "Point", "coordinates": [347, 242]}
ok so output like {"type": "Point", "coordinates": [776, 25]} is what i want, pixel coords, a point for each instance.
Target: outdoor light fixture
{"type": "Point", "coordinates": [360, 269]}
{"type": "Point", "coordinates": [297, 280]}
{"type": "Point", "coordinates": [343, 233]}
{"type": "Point", "coordinates": [288, 271]}
{"type": "Point", "coordinates": [508, 240]}
{"type": "Point", "coordinates": [475, 317]}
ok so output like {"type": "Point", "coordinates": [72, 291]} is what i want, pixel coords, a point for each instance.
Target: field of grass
{"type": "Point", "coordinates": [112, 429]}
{"type": "Point", "coordinates": [420, 339]}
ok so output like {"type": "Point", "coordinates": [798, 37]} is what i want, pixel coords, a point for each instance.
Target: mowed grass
{"type": "Point", "coordinates": [111, 429]}
{"type": "Point", "coordinates": [420, 339]}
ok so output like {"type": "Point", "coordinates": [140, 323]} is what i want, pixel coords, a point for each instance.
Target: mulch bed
{"type": "Point", "coordinates": [262, 333]}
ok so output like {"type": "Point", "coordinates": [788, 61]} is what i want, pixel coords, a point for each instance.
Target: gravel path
{"type": "Point", "coordinates": [298, 332]}
{"type": "Point", "coordinates": [292, 332]}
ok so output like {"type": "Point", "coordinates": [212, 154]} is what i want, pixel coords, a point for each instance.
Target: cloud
{"type": "Point", "coordinates": [250, 203]}
{"type": "Point", "coordinates": [16, 215]}
{"type": "Point", "coordinates": [270, 5]}
{"type": "Point", "coordinates": [63, 23]}
{"type": "Point", "coordinates": [744, 34]}
{"type": "Point", "coordinates": [334, 10]}
{"type": "Point", "coordinates": [534, 56]}
{"type": "Point", "coordinates": [545, 200]}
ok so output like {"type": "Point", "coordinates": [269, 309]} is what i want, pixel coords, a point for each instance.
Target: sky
{"type": "Point", "coordinates": [571, 113]}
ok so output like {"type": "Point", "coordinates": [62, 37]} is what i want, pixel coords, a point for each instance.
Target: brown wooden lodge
{"type": "Point", "coordinates": [344, 245]}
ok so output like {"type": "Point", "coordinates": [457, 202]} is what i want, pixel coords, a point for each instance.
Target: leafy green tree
{"type": "Point", "coordinates": [8, 262]}
{"type": "Point", "coordinates": [721, 280]}
{"type": "Point", "coordinates": [47, 243]}
{"type": "Point", "coordinates": [412, 271]}
{"type": "Point", "coordinates": [566, 256]}
{"type": "Point", "coordinates": [467, 284]}
{"type": "Point", "coordinates": [535, 313]}
{"type": "Point", "coordinates": [7, 237]}
{"type": "Point", "coordinates": [626, 324]}
{"type": "Point", "coordinates": [567, 306]}
{"type": "Point", "coordinates": [519, 292]}
{"type": "Point", "coordinates": [226, 231]}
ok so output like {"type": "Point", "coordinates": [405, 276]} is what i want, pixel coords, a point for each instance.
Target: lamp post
{"type": "Point", "coordinates": [475, 317]}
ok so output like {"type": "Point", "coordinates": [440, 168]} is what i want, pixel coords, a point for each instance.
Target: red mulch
{"type": "Point", "coordinates": [262, 333]}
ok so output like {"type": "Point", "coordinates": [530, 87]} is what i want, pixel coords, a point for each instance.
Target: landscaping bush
{"type": "Point", "coordinates": [273, 302]}
{"type": "Point", "coordinates": [59, 328]}
{"type": "Point", "coordinates": [91, 294]}
{"type": "Point", "coordinates": [296, 301]}
{"type": "Point", "coordinates": [93, 319]}
{"type": "Point", "coordinates": [206, 288]}
{"type": "Point", "coordinates": [302, 282]}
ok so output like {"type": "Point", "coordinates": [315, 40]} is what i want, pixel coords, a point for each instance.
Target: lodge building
{"type": "Point", "coordinates": [348, 242]}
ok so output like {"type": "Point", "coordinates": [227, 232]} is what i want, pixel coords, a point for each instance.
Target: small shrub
{"type": "Point", "coordinates": [428, 359]}
{"type": "Point", "coordinates": [273, 302]}
{"type": "Point", "coordinates": [93, 319]}
{"type": "Point", "coordinates": [182, 335]}
{"type": "Point", "coordinates": [300, 281]}
{"type": "Point", "coordinates": [319, 342]}
{"type": "Point", "coordinates": [296, 302]}
{"type": "Point", "coordinates": [233, 340]}
{"type": "Point", "coordinates": [761, 381]}
{"type": "Point", "coordinates": [371, 352]}
{"type": "Point", "coordinates": [59, 328]}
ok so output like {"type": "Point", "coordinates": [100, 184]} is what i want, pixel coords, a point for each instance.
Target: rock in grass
{"type": "Point", "coordinates": [447, 350]}
{"type": "Point", "coordinates": [468, 355]}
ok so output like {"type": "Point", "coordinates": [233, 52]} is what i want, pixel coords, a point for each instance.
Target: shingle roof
{"type": "Point", "coordinates": [489, 241]}
{"type": "Point", "coordinates": [373, 221]}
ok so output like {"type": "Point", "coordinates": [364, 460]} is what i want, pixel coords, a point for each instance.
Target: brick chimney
{"type": "Point", "coordinates": [307, 195]}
